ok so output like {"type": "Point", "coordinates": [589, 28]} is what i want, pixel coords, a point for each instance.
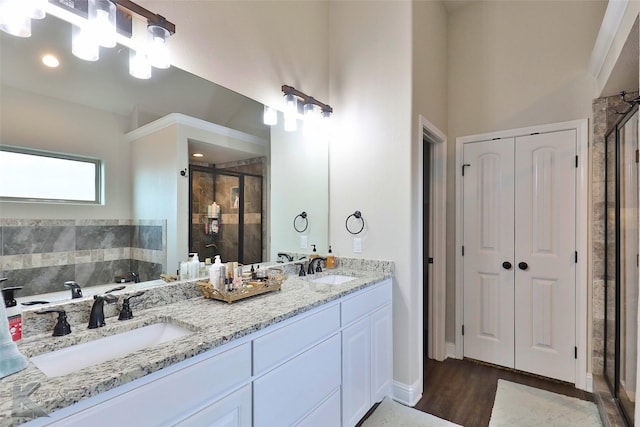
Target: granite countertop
{"type": "Point", "coordinates": [213, 323]}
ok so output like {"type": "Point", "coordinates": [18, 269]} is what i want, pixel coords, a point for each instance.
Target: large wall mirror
{"type": "Point", "coordinates": [89, 108]}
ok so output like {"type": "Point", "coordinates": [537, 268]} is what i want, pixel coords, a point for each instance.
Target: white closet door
{"type": "Point", "coordinates": [488, 243]}
{"type": "Point", "coordinates": [545, 212]}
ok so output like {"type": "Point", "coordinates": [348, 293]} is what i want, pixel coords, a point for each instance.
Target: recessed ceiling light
{"type": "Point", "coordinates": [198, 155]}
{"type": "Point", "coordinates": [50, 61]}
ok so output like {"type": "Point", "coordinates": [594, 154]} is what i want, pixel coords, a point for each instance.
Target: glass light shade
{"type": "Point", "coordinates": [37, 8]}
{"type": "Point", "coordinates": [102, 19]}
{"type": "Point", "coordinates": [290, 122]}
{"type": "Point", "coordinates": [139, 65]}
{"type": "Point", "coordinates": [270, 116]}
{"type": "Point", "coordinates": [15, 18]}
{"type": "Point", "coordinates": [158, 50]}
{"type": "Point", "coordinates": [290, 103]}
{"type": "Point", "coordinates": [83, 44]}
{"type": "Point", "coordinates": [311, 118]}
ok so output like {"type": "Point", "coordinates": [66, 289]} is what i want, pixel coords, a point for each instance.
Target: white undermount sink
{"type": "Point", "coordinates": [333, 279]}
{"type": "Point", "coordinates": [79, 356]}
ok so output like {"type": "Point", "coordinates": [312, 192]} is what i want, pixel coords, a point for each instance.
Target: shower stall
{"type": "Point", "coordinates": [235, 230]}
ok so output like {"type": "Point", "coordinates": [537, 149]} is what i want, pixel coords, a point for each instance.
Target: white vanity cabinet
{"type": "Point", "coordinates": [367, 351]}
{"type": "Point", "coordinates": [324, 367]}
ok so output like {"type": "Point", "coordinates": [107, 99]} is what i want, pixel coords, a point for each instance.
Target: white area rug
{"type": "Point", "coordinates": [523, 406]}
{"type": "Point", "coordinates": [393, 414]}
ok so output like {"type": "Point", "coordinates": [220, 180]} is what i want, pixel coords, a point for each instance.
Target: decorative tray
{"type": "Point", "coordinates": [249, 289]}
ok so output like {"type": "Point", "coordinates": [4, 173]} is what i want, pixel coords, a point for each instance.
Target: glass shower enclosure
{"type": "Point", "coordinates": [621, 262]}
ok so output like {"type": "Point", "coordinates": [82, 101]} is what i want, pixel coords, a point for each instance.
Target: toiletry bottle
{"type": "Point", "coordinates": [314, 253]}
{"type": "Point", "coordinates": [14, 312]}
{"type": "Point", "coordinates": [331, 260]}
{"type": "Point", "coordinates": [195, 266]}
{"type": "Point", "coordinates": [214, 272]}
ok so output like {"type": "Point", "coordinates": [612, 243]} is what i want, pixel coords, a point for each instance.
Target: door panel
{"type": "Point", "coordinates": [519, 261]}
{"type": "Point", "coordinates": [488, 243]}
{"type": "Point", "coordinates": [545, 241]}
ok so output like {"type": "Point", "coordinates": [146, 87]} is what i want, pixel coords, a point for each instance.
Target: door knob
{"type": "Point", "coordinates": [523, 265]}
{"type": "Point", "coordinates": [506, 265]}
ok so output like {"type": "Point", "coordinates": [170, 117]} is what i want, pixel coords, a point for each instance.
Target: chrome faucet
{"type": "Point", "coordinates": [96, 318]}
{"type": "Point", "coordinates": [76, 292]}
{"type": "Point", "coordinates": [318, 269]}
{"type": "Point", "coordinates": [134, 275]}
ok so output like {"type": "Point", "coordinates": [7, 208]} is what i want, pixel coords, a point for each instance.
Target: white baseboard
{"type": "Point", "coordinates": [408, 395]}
{"type": "Point", "coordinates": [588, 382]}
{"type": "Point", "coordinates": [451, 350]}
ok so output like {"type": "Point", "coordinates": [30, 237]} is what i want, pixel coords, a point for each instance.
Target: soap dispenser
{"type": "Point", "coordinates": [331, 260]}
{"type": "Point", "coordinates": [314, 253]}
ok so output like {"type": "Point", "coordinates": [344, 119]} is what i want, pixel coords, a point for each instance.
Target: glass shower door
{"type": "Point", "coordinates": [628, 266]}
{"type": "Point", "coordinates": [622, 260]}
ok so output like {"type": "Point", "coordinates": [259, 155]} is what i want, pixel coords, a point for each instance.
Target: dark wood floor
{"type": "Point", "coordinates": [463, 391]}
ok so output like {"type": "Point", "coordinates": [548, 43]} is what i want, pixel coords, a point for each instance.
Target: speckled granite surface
{"type": "Point", "coordinates": [213, 323]}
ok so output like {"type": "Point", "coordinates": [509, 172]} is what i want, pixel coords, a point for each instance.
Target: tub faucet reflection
{"type": "Point", "coordinates": [288, 257]}
{"type": "Point", "coordinates": [76, 292]}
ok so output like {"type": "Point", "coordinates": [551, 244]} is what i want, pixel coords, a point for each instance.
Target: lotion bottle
{"type": "Point", "coordinates": [214, 272]}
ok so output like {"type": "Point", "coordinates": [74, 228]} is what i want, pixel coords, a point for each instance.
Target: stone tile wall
{"type": "Point", "coordinates": [41, 255]}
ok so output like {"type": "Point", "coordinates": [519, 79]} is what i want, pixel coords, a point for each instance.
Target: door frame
{"type": "Point", "coordinates": [584, 379]}
{"type": "Point", "coordinates": [438, 218]}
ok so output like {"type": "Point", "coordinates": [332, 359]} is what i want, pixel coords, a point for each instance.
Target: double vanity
{"type": "Point", "coordinates": [317, 352]}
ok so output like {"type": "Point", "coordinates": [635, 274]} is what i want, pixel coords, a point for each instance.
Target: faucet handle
{"type": "Point", "coordinates": [125, 312]}
{"type": "Point", "coordinates": [62, 327]}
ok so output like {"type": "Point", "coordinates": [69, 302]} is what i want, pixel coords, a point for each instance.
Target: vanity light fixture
{"type": "Point", "coordinates": [198, 155]}
{"type": "Point", "coordinates": [297, 102]}
{"type": "Point", "coordinates": [95, 24]}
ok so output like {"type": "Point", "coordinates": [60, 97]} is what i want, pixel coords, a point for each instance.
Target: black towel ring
{"type": "Point", "coordinates": [356, 215]}
{"type": "Point", "coordinates": [302, 215]}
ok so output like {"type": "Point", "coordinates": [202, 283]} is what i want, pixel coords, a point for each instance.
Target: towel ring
{"type": "Point", "coordinates": [356, 215]}
{"type": "Point", "coordinates": [302, 215]}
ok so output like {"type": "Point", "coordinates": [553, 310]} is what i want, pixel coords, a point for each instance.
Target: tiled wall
{"type": "Point", "coordinates": [605, 117]}
{"type": "Point", "coordinates": [41, 255]}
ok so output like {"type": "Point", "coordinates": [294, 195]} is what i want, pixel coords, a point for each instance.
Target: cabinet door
{"type": "Point", "coordinates": [356, 372]}
{"type": "Point", "coordinates": [291, 391]}
{"type": "Point", "coordinates": [327, 414]}
{"type": "Point", "coordinates": [381, 353]}
{"type": "Point", "coordinates": [231, 411]}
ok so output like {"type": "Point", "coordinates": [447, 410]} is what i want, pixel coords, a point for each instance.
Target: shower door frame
{"type": "Point", "coordinates": [240, 175]}
{"type": "Point", "coordinates": [614, 384]}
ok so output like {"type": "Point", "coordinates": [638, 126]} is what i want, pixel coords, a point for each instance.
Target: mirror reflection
{"type": "Point", "coordinates": [91, 109]}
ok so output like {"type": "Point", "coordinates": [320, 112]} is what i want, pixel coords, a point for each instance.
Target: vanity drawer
{"type": "Point", "coordinates": [172, 397]}
{"type": "Point", "coordinates": [291, 391]}
{"type": "Point", "coordinates": [364, 303]}
{"type": "Point", "coordinates": [275, 347]}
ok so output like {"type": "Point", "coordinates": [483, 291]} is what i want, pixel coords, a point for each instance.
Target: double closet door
{"type": "Point", "coordinates": [520, 253]}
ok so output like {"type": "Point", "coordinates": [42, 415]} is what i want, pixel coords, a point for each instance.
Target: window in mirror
{"type": "Point", "coordinates": [33, 175]}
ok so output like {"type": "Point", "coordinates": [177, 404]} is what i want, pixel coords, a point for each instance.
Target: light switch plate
{"type": "Point", "coordinates": [357, 245]}
{"type": "Point", "coordinates": [304, 242]}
